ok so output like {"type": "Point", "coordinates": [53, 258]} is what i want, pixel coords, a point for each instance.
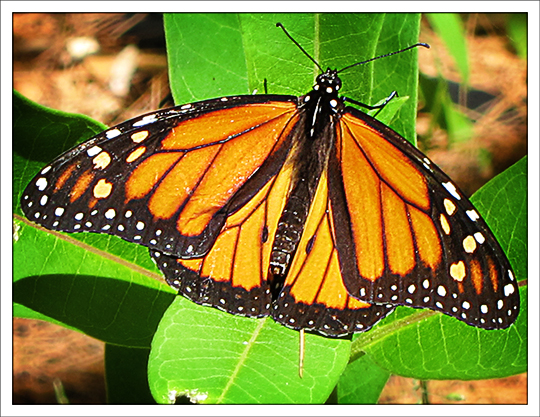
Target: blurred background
{"type": "Point", "coordinates": [472, 122]}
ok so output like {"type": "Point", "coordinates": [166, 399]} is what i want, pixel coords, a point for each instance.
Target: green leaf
{"type": "Point", "coordinates": [213, 357]}
{"type": "Point", "coordinates": [443, 111]}
{"type": "Point", "coordinates": [86, 289]}
{"type": "Point", "coordinates": [226, 54]}
{"type": "Point", "coordinates": [516, 27]}
{"type": "Point", "coordinates": [449, 28]}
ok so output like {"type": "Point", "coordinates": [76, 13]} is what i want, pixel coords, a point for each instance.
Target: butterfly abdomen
{"type": "Point", "coordinates": [289, 232]}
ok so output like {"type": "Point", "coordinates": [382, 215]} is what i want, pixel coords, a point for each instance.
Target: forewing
{"type": "Point", "coordinates": [166, 180]}
{"type": "Point", "coordinates": [407, 236]}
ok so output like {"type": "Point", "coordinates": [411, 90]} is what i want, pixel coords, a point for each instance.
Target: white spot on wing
{"type": "Point", "coordinates": [508, 289]}
{"type": "Point", "coordinates": [110, 214]}
{"type": "Point", "coordinates": [41, 184]}
{"type": "Point", "coordinates": [93, 151]}
{"type": "Point", "coordinates": [113, 133]}
{"type": "Point", "coordinates": [479, 237]}
{"type": "Point", "coordinates": [451, 189]}
{"type": "Point", "coordinates": [473, 215]}
{"type": "Point", "coordinates": [151, 118]}
{"type": "Point", "coordinates": [441, 291]}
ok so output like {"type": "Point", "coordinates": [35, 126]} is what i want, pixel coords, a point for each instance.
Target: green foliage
{"type": "Point", "coordinates": [450, 29]}
{"type": "Point", "coordinates": [517, 31]}
{"type": "Point", "coordinates": [110, 289]}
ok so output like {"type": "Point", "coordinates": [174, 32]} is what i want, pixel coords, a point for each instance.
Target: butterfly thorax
{"type": "Point", "coordinates": [320, 112]}
{"type": "Point", "coordinates": [322, 102]}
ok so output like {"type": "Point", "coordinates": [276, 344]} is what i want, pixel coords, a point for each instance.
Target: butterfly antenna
{"type": "Point", "coordinates": [279, 25]}
{"type": "Point", "coordinates": [425, 45]}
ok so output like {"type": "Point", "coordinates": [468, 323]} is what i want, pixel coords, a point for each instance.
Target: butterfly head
{"type": "Point", "coordinates": [328, 83]}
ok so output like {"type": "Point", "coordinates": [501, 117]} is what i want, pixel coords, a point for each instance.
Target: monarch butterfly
{"type": "Point", "coordinates": [301, 208]}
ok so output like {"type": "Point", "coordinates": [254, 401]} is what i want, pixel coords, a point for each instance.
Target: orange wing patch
{"type": "Point", "coordinates": [388, 161]}
{"type": "Point", "coordinates": [206, 129]}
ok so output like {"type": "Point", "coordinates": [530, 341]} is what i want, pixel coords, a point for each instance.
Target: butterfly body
{"type": "Point", "coordinates": [318, 117]}
{"type": "Point", "coordinates": [299, 208]}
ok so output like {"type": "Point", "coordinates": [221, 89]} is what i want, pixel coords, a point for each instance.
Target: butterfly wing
{"type": "Point", "coordinates": [407, 236]}
{"type": "Point", "coordinates": [203, 185]}
{"type": "Point", "coordinates": [233, 276]}
{"type": "Point", "coordinates": [169, 179]}
{"type": "Point", "coordinates": [314, 296]}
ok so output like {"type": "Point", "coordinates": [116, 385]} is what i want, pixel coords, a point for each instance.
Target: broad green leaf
{"type": "Point", "coordinates": [86, 289]}
{"type": "Point", "coordinates": [426, 345]}
{"type": "Point", "coordinates": [228, 54]}
{"type": "Point", "coordinates": [225, 359]}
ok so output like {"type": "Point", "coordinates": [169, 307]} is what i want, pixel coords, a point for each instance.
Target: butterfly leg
{"type": "Point", "coordinates": [375, 107]}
